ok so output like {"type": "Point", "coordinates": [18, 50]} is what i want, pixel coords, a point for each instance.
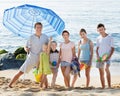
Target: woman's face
{"type": "Point", "coordinates": [65, 36]}
{"type": "Point", "coordinates": [53, 46]}
{"type": "Point", "coordinates": [83, 35]}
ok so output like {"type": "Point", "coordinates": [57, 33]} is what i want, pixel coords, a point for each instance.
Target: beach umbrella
{"type": "Point", "coordinates": [20, 20]}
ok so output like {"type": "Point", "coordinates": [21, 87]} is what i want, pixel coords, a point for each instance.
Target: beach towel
{"type": "Point", "coordinates": [75, 66]}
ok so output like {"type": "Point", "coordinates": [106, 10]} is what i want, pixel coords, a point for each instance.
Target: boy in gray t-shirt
{"type": "Point", "coordinates": [104, 52]}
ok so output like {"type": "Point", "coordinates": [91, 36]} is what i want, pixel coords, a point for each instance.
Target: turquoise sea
{"type": "Point", "coordinates": [76, 14]}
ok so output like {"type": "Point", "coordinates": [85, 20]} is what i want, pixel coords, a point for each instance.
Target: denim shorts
{"type": "Point", "coordinates": [101, 64]}
{"type": "Point", "coordinates": [64, 63]}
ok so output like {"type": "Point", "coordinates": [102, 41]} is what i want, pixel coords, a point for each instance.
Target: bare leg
{"type": "Point", "coordinates": [42, 80]}
{"type": "Point", "coordinates": [101, 71]}
{"type": "Point", "coordinates": [108, 75]}
{"type": "Point", "coordinates": [74, 80]}
{"type": "Point", "coordinates": [63, 72]}
{"type": "Point", "coordinates": [87, 73]}
{"type": "Point", "coordinates": [46, 82]}
{"type": "Point", "coordinates": [16, 77]}
{"type": "Point", "coordinates": [54, 77]}
{"type": "Point", "coordinates": [67, 75]}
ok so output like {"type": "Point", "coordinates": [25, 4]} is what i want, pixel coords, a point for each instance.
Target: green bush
{"type": "Point", "coordinates": [3, 51]}
{"type": "Point", "coordinates": [21, 57]}
{"type": "Point", "coordinates": [20, 50]}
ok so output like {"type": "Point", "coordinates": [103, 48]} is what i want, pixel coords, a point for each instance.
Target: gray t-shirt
{"type": "Point", "coordinates": [35, 43]}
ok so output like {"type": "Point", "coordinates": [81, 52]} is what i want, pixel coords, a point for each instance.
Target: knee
{"type": "Point", "coordinates": [87, 74]}
{"type": "Point", "coordinates": [107, 69]}
{"type": "Point", "coordinates": [55, 74]}
{"type": "Point", "coordinates": [67, 75]}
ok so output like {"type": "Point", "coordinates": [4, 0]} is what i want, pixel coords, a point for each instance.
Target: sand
{"type": "Point", "coordinates": [26, 86]}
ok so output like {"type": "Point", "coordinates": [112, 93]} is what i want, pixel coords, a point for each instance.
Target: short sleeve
{"type": "Point", "coordinates": [47, 40]}
{"type": "Point", "coordinates": [112, 42]}
{"type": "Point", "coordinates": [72, 45]}
{"type": "Point", "coordinates": [97, 43]}
{"type": "Point", "coordinates": [28, 44]}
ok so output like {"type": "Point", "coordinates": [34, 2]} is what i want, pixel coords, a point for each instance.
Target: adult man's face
{"type": "Point", "coordinates": [38, 28]}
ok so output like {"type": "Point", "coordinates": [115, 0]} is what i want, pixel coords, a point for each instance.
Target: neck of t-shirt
{"type": "Point", "coordinates": [104, 35]}
{"type": "Point", "coordinates": [66, 42]}
{"type": "Point", "coordinates": [38, 35]}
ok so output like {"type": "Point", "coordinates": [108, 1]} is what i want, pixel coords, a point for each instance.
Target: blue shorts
{"type": "Point", "coordinates": [64, 63]}
{"type": "Point", "coordinates": [101, 64]}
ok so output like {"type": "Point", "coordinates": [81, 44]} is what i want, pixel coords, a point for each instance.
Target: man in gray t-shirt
{"type": "Point", "coordinates": [33, 47]}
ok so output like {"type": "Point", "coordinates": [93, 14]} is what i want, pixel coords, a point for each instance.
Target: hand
{"type": "Point", "coordinates": [57, 66]}
{"type": "Point", "coordinates": [27, 49]}
{"type": "Point", "coordinates": [98, 59]}
{"type": "Point", "coordinates": [50, 39]}
{"type": "Point", "coordinates": [106, 59]}
{"type": "Point", "coordinates": [90, 62]}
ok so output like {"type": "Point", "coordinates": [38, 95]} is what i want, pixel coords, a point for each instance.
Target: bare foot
{"type": "Point", "coordinates": [10, 86]}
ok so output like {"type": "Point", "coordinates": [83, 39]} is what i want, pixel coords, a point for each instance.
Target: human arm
{"type": "Point", "coordinates": [58, 63]}
{"type": "Point", "coordinates": [73, 52]}
{"type": "Point", "coordinates": [79, 49]}
{"type": "Point", "coordinates": [112, 49]}
{"type": "Point", "coordinates": [49, 44]}
{"type": "Point", "coordinates": [28, 45]}
{"type": "Point", "coordinates": [111, 53]}
{"type": "Point", "coordinates": [38, 64]}
{"type": "Point", "coordinates": [91, 52]}
{"type": "Point", "coordinates": [60, 54]}
{"type": "Point", "coordinates": [27, 49]}
{"type": "Point", "coordinates": [98, 57]}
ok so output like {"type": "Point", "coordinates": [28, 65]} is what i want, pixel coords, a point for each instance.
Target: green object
{"type": "Point", "coordinates": [20, 50]}
{"type": "Point", "coordinates": [100, 59]}
{"type": "Point", "coordinates": [35, 72]}
{"type": "Point", "coordinates": [21, 57]}
{"type": "Point", "coordinates": [3, 51]}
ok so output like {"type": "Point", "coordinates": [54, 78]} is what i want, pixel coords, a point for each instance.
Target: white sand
{"type": "Point", "coordinates": [78, 91]}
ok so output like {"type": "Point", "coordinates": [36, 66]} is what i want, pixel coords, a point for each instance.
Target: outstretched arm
{"type": "Point", "coordinates": [49, 44]}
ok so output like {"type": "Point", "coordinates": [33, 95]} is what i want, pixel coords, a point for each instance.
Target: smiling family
{"type": "Point", "coordinates": [44, 55]}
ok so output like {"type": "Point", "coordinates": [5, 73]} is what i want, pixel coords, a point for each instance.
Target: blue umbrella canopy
{"type": "Point", "coordinates": [20, 20]}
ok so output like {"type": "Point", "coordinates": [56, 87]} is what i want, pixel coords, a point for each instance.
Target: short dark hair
{"type": "Point", "coordinates": [38, 23]}
{"type": "Point", "coordinates": [45, 44]}
{"type": "Point", "coordinates": [83, 30]}
{"type": "Point", "coordinates": [100, 25]}
{"type": "Point", "coordinates": [54, 42]}
{"type": "Point", "coordinates": [65, 31]}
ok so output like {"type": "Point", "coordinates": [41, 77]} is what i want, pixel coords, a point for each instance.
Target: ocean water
{"type": "Point", "coordinates": [76, 14]}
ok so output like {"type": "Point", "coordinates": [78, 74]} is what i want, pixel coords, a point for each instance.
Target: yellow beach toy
{"type": "Point", "coordinates": [37, 75]}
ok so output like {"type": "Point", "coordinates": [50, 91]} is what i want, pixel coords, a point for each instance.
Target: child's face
{"type": "Point", "coordinates": [44, 48]}
{"type": "Point", "coordinates": [101, 30]}
{"type": "Point", "coordinates": [53, 46]}
{"type": "Point", "coordinates": [83, 34]}
{"type": "Point", "coordinates": [66, 36]}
